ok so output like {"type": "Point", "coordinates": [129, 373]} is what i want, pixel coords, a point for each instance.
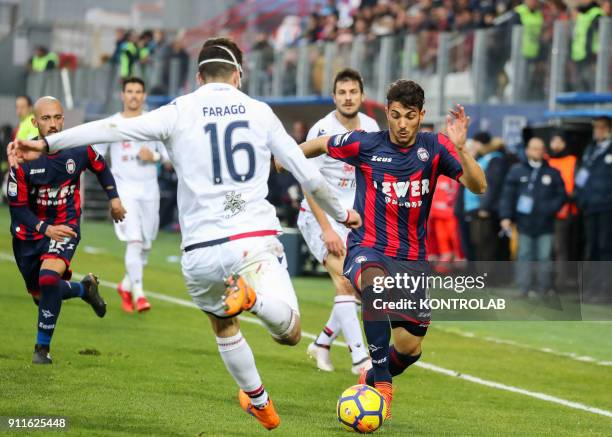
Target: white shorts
{"type": "Point", "coordinates": [311, 231]}
{"type": "Point", "coordinates": [141, 221]}
{"type": "Point", "coordinates": [259, 260]}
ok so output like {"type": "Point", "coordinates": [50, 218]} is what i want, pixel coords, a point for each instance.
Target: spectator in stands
{"type": "Point", "coordinates": [594, 196]}
{"type": "Point", "coordinates": [128, 54]}
{"type": "Point", "coordinates": [384, 21]}
{"type": "Point", "coordinates": [288, 32]}
{"type": "Point", "coordinates": [146, 46]}
{"type": "Point", "coordinates": [567, 232]}
{"type": "Point", "coordinates": [43, 60]}
{"type": "Point", "coordinates": [313, 28]}
{"type": "Point", "coordinates": [533, 194]}
{"type": "Point", "coordinates": [529, 15]}
{"type": "Point", "coordinates": [482, 212]}
{"type": "Point", "coordinates": [289, 84]}
{"type": "Point", "coordinates": [265, 67]}
{"type": "Point", "coordinates": [146, 49]}
{"type": "Point", "coordinates": [24, 111]}
{"type": "Point", "coordinates": [585, 44]}
{"type": "Point", "coordinates": [120, 38]}
{"type": "Point", "coordinates": [175, 55]}
{"type": "Point", "coordinates": [329, 32]}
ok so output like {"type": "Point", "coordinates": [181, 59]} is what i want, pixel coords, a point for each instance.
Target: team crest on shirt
{"type": "Point", "coordinates": [233, 203]}
{"type": "Point", "coordinates": [423, 154]}
{"type": "Point", "coordinates": [70, 166]}
{"type": "Point", "coordinates": [361, 259]}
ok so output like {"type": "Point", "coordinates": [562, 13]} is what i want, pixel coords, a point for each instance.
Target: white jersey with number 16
{"type": "Point", "coordinates": [220, 142]}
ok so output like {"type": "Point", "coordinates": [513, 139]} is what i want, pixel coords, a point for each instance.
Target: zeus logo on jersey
{"type": "Point", "coordinates": [381, 159]}
{"type": "Point", "coordinates": [219, 111]}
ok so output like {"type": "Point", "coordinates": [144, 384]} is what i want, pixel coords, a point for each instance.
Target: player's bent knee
{"type": "Point", "coordinates": [344, 287]}
{"type": "Point", "coordinates": [293, 336]}
{"type": "Point", "coordinates": [405, 342]}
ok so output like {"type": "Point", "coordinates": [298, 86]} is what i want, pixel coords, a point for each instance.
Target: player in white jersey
{"type": "Point", "coordinates": [220, 143]}
{"type": "Point", "coordinates": [134, 166]}
{"type": "Point", "coordinates": [325, 238]}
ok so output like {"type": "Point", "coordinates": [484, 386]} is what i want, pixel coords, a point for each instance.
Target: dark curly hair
{"type": "Point", "coordinates": [406, 92]}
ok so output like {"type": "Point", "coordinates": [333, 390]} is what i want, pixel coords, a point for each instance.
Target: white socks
{"type": "Point", "coordinates": [346, 314]}
{"type": "Point", "coordinates": [275, 314]}
{"type": "Point", "coordinates": [134, 267]}
{"type": "Point", "coordinates": [330, 332]}
{"type": "Point", "coordinates": [144, 255]}
{"type": "Point", "coordinates": [126, 284]}
{"type": "Point", "coordinates": [344, 317]}
{"type": "Point", "coordinates": [240, 363]}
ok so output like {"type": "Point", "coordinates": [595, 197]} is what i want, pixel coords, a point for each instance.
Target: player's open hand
{"type": "Point", "coordinates": [19, 151]}
{"type": "Point", "coordinates": [146, 155]}
{"type": "Point", "coordinates": [117, 210]}
{"type": "Point", "coordinates": [457, 123]}
{"type": "Point", "coordinates": [354, 219]}
{"type": "Point", "coordinates": [333, 242]}
{"type": "Point", "coordinates": [60, 232]}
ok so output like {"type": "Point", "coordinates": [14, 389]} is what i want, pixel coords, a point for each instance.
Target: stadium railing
{"type": "Point", "coordinates": [478, 66]}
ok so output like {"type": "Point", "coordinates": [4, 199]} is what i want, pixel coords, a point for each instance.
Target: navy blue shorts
{"type": "Point", "coordinates": [29, 256]}
{"type": "Point", "coordinates": [415, 320]}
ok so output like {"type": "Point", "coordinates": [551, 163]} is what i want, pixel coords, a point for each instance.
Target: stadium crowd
{"type": "Point", "coordinates": [343, 20]}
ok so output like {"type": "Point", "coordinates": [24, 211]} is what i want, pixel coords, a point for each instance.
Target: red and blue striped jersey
{"type": "Point", "coordinates": [48, 190]}
{"type": "Point", "coordinates": [395, 188]}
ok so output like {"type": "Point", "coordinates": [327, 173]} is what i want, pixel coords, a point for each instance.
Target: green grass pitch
{"type": "Point", "coordinates": [160, 373]}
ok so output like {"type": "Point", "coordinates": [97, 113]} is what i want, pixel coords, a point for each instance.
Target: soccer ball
{"type": "Point", "coordinates": [361, 409]}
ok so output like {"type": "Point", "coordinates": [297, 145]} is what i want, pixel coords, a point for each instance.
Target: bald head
{"type": "Point", "coordinates": [535, 149]}
{"type": "Point", "coordinates": [48, 115]}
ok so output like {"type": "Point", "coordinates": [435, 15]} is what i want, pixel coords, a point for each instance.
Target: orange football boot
{"type": "Point", "coordinates": [239, 296]}
{"type": "Point", "coordinates": [362, 377]}
{"type": "Point", "coordinates": [126, 299]}
{"type": "Point", "coordinates": [266, 415]}
{"type": "Point", "coordinates": [386, 389]}
{"type": "Point", "coordinates": [142, 304]}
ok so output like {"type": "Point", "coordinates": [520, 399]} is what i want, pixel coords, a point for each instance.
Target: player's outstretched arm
{"type": "Point", "coordinates": [315, 147]}
{"type": "Point", "coordinates": [153, 126]}
{"type": "Point", "coordinates": [311, 149]}
{"type": "Point", "coordinates": [473, 178]}
{"type": "Point", "coordinates": [290, 156]}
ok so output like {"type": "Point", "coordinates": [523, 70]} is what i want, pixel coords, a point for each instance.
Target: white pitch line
{"type": "Point", "coordinates": [547, 350]}
{"type": "Point", "coordinates": [424, 365]}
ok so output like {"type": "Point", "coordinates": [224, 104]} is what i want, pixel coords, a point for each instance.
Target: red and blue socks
{"type": "Point", "coordinates": [52, 291]}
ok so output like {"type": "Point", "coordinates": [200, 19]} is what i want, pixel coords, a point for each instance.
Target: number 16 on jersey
{"type": "Point", "coordinates": [230, 151]}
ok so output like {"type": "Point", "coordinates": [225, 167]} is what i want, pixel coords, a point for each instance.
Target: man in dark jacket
{"type": "Point", "coordinates": [533, 194]}
{"type": "Point", "coordinates": [482, 211]}
{"type": "Point", "coordinates": [593, 184]}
